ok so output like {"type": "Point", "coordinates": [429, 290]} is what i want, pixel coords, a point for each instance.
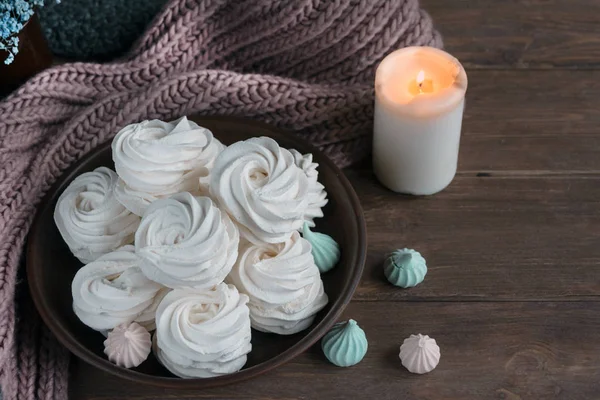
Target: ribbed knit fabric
{"type": "Point", "coordinates": [305, 65]}
{"type": "Point", "coordinates": [95, 29]}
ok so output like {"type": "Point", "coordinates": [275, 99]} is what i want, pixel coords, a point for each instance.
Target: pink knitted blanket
{"type": "Point", "coordinates": [305, 65]}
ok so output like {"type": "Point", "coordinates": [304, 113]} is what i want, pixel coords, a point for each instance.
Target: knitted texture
{"type": "Point", "coordinates": [96, 30]}
{"type": "Point", "coordinates": [304, 65]}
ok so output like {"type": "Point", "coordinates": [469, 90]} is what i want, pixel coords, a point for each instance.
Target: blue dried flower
{"type": "Point", "coordinates": [14, 14]}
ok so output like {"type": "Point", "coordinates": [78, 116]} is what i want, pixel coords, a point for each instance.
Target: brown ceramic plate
{"type": "Point", "coordinates": [51, 267]}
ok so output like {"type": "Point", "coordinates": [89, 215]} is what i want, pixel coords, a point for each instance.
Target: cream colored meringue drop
{"type": "Point", "coordinates": [317, 196]}
{"type": "Point", "coordinates": [90, 219]}
{"type": "Point", "coordinates": [420, 354]}
{"type": "Point", "coordinates": [155, 159]}
{"type": "Point", "coordinates": [259, 184]}
{"type": "Point", "coordinates": [186, 241]}
{"type": "Point", "coordinates": [283, 283]}
{"type": "Point", "coordinates": [112, 290]}
{"type": "Point", "coordinates": [128, 345]}
{"type": "Point", "coordinates": [203, 333]}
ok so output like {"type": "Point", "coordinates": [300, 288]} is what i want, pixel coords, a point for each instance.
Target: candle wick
{"type": "Point", "coordinates": [420, 79]}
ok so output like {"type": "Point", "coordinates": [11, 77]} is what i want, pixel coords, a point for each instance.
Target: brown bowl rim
{"type": "Point", "coordinates": [66, 339]}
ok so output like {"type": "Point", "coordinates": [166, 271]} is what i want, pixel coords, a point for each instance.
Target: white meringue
{"type": "Point", "coordinates": [317, 196]}
{"type": "Point", "coordinates": [137, 202]}
{"type": "Point", "coordinates": [186, 241]}
{"type": "Point", "coordinates": [259, 184]}
{"type": "Point", "coordinates": [420, 354]}
{"type": "Point", "coordinates": [155, 159]}
{"type": "Point", "coordinates": [203, 333]}
{"type": "Point", "coordinates": [112, 290]}
{"type": "Point", "coordinates": [90, 219]}
{"type": "Point", "coordinates": [147, 317]}
{"type": "Point", "coordinates": [128, 345]}
{"type": "Point", "coordinates": [283, 283]}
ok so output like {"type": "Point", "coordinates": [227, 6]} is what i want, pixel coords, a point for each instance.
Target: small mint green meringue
{"type": "Point", "coordinates": [345, 344]}
{"type": "Point", "coordinates": [325, 250]}
{"type": "Point", "coordinates": [405, 268]}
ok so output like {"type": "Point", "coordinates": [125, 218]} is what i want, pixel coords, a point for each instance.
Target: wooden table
{"type": "Point", "coordinates": [513, 245]}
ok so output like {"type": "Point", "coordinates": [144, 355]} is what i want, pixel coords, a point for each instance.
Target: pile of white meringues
{"type": "Point", "coordinates": [195, 240]}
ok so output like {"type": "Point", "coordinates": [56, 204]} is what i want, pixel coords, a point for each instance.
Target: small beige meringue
{"type": "Point", "coordinates": [128, 345]}
{"type": "Point", "coordinates": [420, 354]}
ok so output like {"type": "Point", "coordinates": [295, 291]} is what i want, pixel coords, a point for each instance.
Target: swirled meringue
{"type": "Point", "coordinates": [90, 219]}
{"type": "Point", "coordinates": [317, 196]}
{"type": "Point", "coordinates": [137, 202]}
{"type": "Point", "coordinates": [128, 345]}
{"type": "Point", "coordinates": [259, 184]}
{"type": "Point", "coordinates": [155, 159]}
{"type": "Point", "coordinates": [203, 333]}
{"type": "Point", "coordinates": [112, 290]}
{"type": "Point", "coordinates": [283, 283]}
{"type": "Point", "coordinates": [186, 241]}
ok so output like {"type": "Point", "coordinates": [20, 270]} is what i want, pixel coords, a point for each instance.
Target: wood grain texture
{"type": "Point", "coordinates": [528, 351]}
{"type": "Point", "coordinates": [531, 121]}
{"type": "Point", "coordinates": [520, 33]}
{"type": "Point", "coordinates": [532, 103]}
{"type": "Point", "coordinates": [493, 238]}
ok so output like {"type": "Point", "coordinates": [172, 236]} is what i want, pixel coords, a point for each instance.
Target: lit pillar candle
{"type": "Point", "coordinates": [419, 101]}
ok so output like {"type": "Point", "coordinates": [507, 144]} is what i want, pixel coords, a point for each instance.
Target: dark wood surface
{"type": "Point", "coordinates": [513, 245]}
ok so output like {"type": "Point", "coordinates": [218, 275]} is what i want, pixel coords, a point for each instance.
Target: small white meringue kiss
{"type": "Point", "coordinates": [128, 345]}
{"type": "Point", "coordinates": [420, 354]}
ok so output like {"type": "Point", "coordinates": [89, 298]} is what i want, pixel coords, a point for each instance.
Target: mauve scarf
{"type": "Point", "coordinates": [305, 65]}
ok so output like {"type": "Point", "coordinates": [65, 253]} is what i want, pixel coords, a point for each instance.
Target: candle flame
{"type": "Point", "coordinates": [420, 77]}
